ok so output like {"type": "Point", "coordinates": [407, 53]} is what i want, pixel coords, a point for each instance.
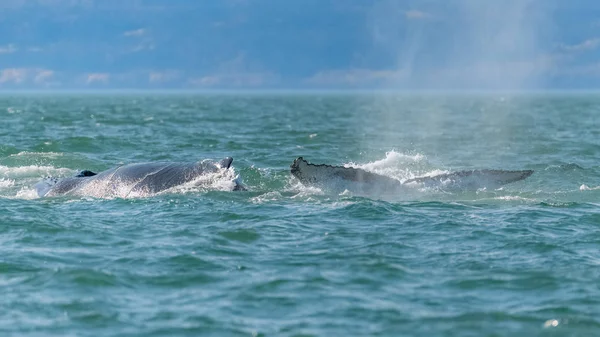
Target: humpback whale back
{"type": "Point", "coordinates": [471, 179]}
{"type": "Point", "coordinates": [134, 179]}
{"type": "Point", "coordinates": [339, 178]}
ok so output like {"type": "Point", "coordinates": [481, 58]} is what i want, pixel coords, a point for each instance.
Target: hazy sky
{"type": "Point", "coordinates": [309, 44]}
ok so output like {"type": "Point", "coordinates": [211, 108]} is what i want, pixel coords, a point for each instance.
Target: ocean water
{"type": "Point", "coordinates": [286, 260]}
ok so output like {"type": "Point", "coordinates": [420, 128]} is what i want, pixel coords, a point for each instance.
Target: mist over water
{"type": "Point", "coordinates": [443, 52]}
{"type": "Point", "coordinates": [464, 44]}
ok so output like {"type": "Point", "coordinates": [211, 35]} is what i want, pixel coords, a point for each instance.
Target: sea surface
{"type": "Point", "coordinates": [282, 259]}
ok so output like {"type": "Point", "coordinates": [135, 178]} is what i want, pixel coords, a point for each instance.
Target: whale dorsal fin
{"type": "Point", "coordinates": [226, 163]}
{"type": "Point", "coordinates": [85, 173]}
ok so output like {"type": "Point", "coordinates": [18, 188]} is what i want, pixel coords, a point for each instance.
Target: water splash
{"type": "Point", "coordinates": [397, 165]}
{"type": "Point", "coordinates": [17, 182]}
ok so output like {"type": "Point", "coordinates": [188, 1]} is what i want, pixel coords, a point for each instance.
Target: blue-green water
{"type": "Point", "coordinates": [285, 260]}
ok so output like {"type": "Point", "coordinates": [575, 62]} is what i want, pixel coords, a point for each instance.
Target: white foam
{"type": "Point", "coordinates": [514, 198]}
{"type": "Point", "coordinates": [431, 173]}
{"type": "Point", "coordinates": [392, 159]}
{"type": "Point", "coordinates": [269, 196]}
{"type": "Point", "coordinates": [32, 170]}
{"type": "Point", "coordinates": [551, 323]}
{"type": "Point", "coordinates": [26, 193]}
{"type": "Point", "coordinates": [38, 154]}
{"type": "Point", "coordinates": [295, 185]}
{"type": "Point", "coordinates": [18, 182]}
{"type": "Point", "coordinates": [397, 165]}
{"type": "Point", "coordinates": [4, 183]}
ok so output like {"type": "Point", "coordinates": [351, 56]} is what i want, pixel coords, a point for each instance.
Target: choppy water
{"type": "Point", "coordinates": [285, 260]}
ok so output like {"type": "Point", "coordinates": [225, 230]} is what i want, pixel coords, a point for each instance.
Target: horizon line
{"type": "Point", "coordinates": [293, 91]}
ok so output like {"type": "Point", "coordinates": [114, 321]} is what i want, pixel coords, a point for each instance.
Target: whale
{"type": "Point", "coordinates": [138, 179]}
{"type": "Point", "coordinates": [359, 181]}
